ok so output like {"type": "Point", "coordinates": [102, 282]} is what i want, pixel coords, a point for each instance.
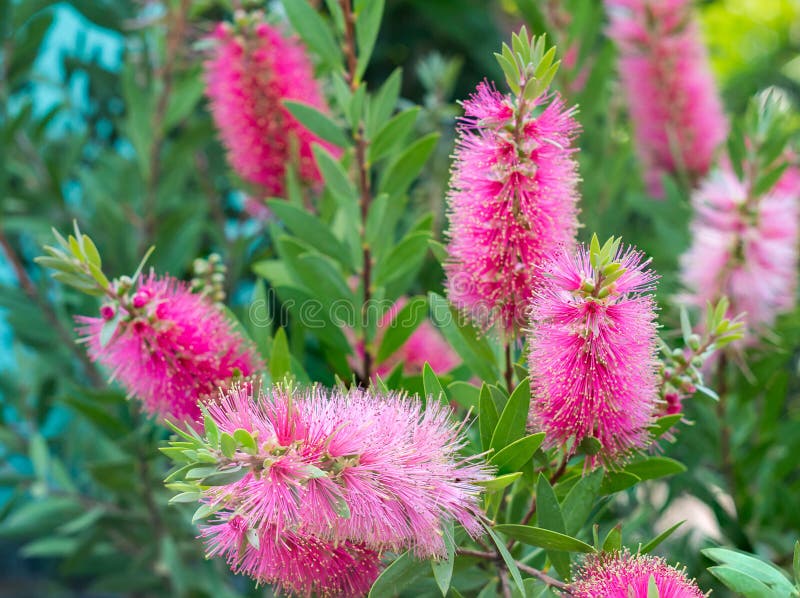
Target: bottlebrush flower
{"type": "Point", "coordinates": [745, 248]}
{"type": "Point", "coordinates": [674, 105]}
{"type": "Point", "coordinates": [293, 562]}
{"type": "Point", "coordinates": [381, 472]}
{"type": "Point", "coordinates": [593, 347]}
{"type": "Point", "coordinates": [624, 575]}
{"type": "Point", "coordinates": [512, 201]}
{"type": "Point", "coordinates": [248, 77]}
{"type": "Point", "coordinates": [171, 348]}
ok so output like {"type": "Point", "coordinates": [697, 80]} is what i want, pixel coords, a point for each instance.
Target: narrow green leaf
{"type": "Point", "coordinates": [487, 417]}
{"type": "Point", "coordinates": [245, 440]}
{"type": "Point", "coordinates": [511, 564]}
{"type": "Point", "coordinates": [443, 568]}
{"type": "Point", "coordinates": [368, 23]}
{"type": "Point", "coordinates": [403, 570]}
{"type": "Point", "coordinates": [543, 538]}
{"type": "Point", "coordinates": [613, 540]}
{"type": "Point", "coordinates": [310, 26]}
{"type": "Point", "coordinates": [211, 430]}
{"type": "Point", "coordinates": [579, 501]}
{"type": "Point", "coordinates": [652, 588]}
{"type": "Point", "coordinates": [393, 134]}
{"type": "Point", "coordinates": [655, 467]}
{"type": "Point", "coordinates": [762, 571]}
{"type": "Point", "coordinates": [227, 445]}
{"type": "Point", "coordinates": [406, 257]}
{"type": "Point", "coordinates": [315, 121]}
{"type": "Point", "coordinates": [663, 424]}
{"type": "Point", "coordinates": [402, 172]}
{"type": "Point", "coordinates": [651, 545]}
{"type": "Point", "coordinates": [500, 482]}
{"type": "Point", "coordinates": [280, 362]}
{"type": "Point", "coordinates": [741, 582]}
{"type": "Point", "coordinates": [514, 419]}
{"type": "Point", "coordinates": [432, 385]}
{"type": "Point", "coordinates": [514, 456]}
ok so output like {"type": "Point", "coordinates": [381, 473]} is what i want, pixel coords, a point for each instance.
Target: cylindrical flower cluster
{"type": "Point", "coordinates": [169, 348]}
{"type": "Point", "coordinates": [357, 471]}
{"type": "Point", "coordinates": [623, 575]}
{"type": "Point", "coordinates": [674, 104]}
{"type": "Point", "coordinates": [593, 348]}
{"type": "Point", "coordinates": [249, 75]}
{"type": "Point", "coordinates": [744, 247]}
{"type": "Point", "coordinates": [512, 202]}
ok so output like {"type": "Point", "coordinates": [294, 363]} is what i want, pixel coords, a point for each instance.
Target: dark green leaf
{"type": "Point", "coordinates": [402, 326]}
{"type": "Point", "coordinates": [514, 419]}
{"type": "Point", "coordinates": [544, 538]}
{"type": "Point", "coordinates": [393, 134]}
{"type": "Point", "coordinates": [310, 26]}
{"type": "Point", "coordinates": [487, 417]}
{"type": "Point", "coordinates": [406, 257]}
{"type": "Point", "coordinates": [404, 570]}
{"type": "Point", "coordinates": [651, 545]}
{"type": "Point", "coordinates": [315, 121]}
{"type": "Point", "coordinates": [579, 501]}
{"type": "Point", "coordinates": [402, 172]}
{"type": "Point", "coordinates": [280, 363]}
{"type": "Point", "coordinates": [655, 467]}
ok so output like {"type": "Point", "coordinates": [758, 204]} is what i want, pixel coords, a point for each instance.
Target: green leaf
{"type": "Point", "coordinates": [613, 541]}
{"type": "Point", "coordinates": [760, 570]}
{"type": "Point", "coordinates": [402, 172]}
{"type": "Point", "coordinates": [404, 570]}
{"type": "Point", "coordinates": [465, 394]}
{"type": "Point", "coordinates": [615, 481]}
{"type": "Point", "coordinates": [471, 346]}
{"type": "Point", "coordinates": [311, 229]}
{"type": "Point", "coordinates": [796, 563]}
{"type": "Point", "coordinates": [315, 121]}
{"type": "Point", "coordinates": [550, 517]}
{"type": "Point", "coordinates": [651, 545]}
{"type": "Point", "coordinates": [514, 419]}
{"type": "Point", "coordinates": [383, 103]}
{"type": "Point", "coordinates": [663, 424]}
{"type": "Point", "coordinates": [368, 22]}
{"type": "Point", "coordinates": [511, 564]}
{"type": "Point", "coordinates": [39, 516]}
{"type": "Point", "coordinates": [50, 547]}
{"type": "Point", "coordinates": [185, 497]}
{"type": "Point", "coordinates": [579, 501]}
{"type": "Point", "coordinates": [655, 467]}
{"type": "Point", "coordinates": [337, 181]}
{"type": "Point", "coordinates": [406, 257]}
{"type": "Point", "coordinates": [742, 583]}
{"type": "Point", "coordinates": [245, 440]}
{"type": "Point", "coordinates": [402, 326]}
{"type": "Point", "coordinates": [514, 456]}
{"type": "Point", "coordinates": [393, 134]}
{"type": "Point", "coordinates": [443, 568]}
{"type": "Point", "coordinates": [500, 482]}
{"type": "Point", "coordinates": [432, 385]}
{"type": "Point", "coordinates": [543, 538]}
{"type": "Point", "coordinates": [321, 276]}
{"type": "Point", "coordinates": [652, 588]}
{"type": "Point", "coordinates": [227, 445]}
{"type": "Point", "coordinates": [487, 417]}
{"type": "Point", "coordinates": [310, 26]}
{"type": "Point", "coordinates": [280, 362]}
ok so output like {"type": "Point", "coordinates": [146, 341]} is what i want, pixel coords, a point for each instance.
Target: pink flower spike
{"type": "Point", "coordinates": [593, 353]}
{"type": "Point", "coordinates": [512, 201]}
{"type": "Point", "coordinates": [177, 350]}
{"type": "Point", "coordinates": [745, 249]}
{"type": "Point", "coordinates": [378, 471]}
{"type": "Point", "coordinates": [295, 563]}
{"type": "Point", "coordinates": [248, 77]}
{"type": "Point", "coordinates": [677, 115]}
{"type": "Point", "coordinates": [624, 575]}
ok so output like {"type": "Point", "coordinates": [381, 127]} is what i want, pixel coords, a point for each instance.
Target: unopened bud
{"type": "Point", "coordinates": [107, 311]}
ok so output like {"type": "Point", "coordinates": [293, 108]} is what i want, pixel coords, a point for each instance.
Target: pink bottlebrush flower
{"type": "Point", "coordinates": [512, 202]}
{"type": "Point", "coordinates": [677, 115]}
{"type": "Point", "coordinates": [744, 248]}
{"type": "Point", "coordinates": [378, 471]}
{"type": "Point", "coordinates": [425, 345]}
{"type": "Point", "coordinates": [173, 350]}
{"type": "Point", "coordinates": [248, 78]}
{"type": "Point", "coordinates": [593, 355]}
{"type": "Point", "coordinates": [624, 575]}
{"type": "Point", "coordinates": [293, 562]}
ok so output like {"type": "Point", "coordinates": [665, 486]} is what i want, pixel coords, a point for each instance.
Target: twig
{"type": "Point", "coordinates": [509, 374]}
{"type": "Point", "coordinates": [532, 571]}
{"type": "Point", "coordinates": [349, 48]}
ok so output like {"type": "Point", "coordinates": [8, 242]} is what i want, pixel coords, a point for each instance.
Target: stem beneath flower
{"type": "Point", "coordinates": [349, 49]}
{"type": "Point", "coordinates": [509, 373]}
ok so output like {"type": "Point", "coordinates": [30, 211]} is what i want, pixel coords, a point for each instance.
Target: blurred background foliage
{"type": "Point", "coordinates": [102, 120]}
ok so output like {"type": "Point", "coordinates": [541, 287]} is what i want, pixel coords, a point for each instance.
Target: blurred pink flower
{"type": "Point", "coordinates": [248, 78]}
{"type": "Point", "coordinates": [593, 360]}
{"type": "Point", "coordinates": [744, 248]}
{"type": "Point", "coordinates": [623, 575]}
{"type": "Point", "coordinates": [172, 348]}
{"type": "Point", "coordinates": [379, 471]}
{"type": "Point", "coordinates": [512, 202]}
{"type": "Point", "coordinates": [294, 562]}
{"type": "Point", "coordinates": [426, 344]}
{"type": "Point", "coordinates": [674, 104]}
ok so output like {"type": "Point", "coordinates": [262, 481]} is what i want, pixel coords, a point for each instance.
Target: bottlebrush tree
{"type": "Point", "coordinates": [377, 385]}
